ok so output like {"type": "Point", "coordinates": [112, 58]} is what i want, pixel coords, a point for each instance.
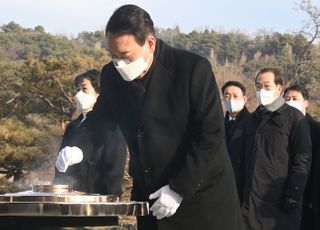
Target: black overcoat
{"type": "Point", "coordinates": [102, 168]}
{"type": "Point", "coordinates": [235, 134]}
{"type": "Point", "coordinates": [278, 160]}
{"type": "Point", "coordinates": [176, 138]}
{"type": "Point", "coordinates": [311, 196]}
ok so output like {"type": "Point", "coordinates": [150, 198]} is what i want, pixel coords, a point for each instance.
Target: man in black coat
{"type": "Point", "coordinates": [298, 97]}
{"type": "Point", "coordinates": [278, 158]}
{"type": "Point", "coordinates": [234, 96]}
{"type": "Point", "coordinates": [167, 104]}
{"type": "Point", "coordinates": [102, 167]}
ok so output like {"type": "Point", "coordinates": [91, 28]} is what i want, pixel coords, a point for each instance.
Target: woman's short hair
{"type": "Point", "coordinates": [92, 75]}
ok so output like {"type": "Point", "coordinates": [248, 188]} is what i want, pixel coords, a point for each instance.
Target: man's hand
{"type": "Point", "coordinates": [167, 203]}
{"type": "Point", "coordinates": [290, 204]}
{"type": "Point", "coordinates": [68, 156]}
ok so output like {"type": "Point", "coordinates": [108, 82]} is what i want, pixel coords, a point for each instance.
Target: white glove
{"type": "Point", "coordinates": [167, 203]}
{"type": "Point", "coordinates": [68, 156]}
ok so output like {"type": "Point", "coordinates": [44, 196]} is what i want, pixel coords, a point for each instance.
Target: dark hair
{"type": "Point", "coordinates": [234, 83]}
{"type": "Point", "coordinates": [278, 79]}
{"type": "Point", "coordinates": [131, 19]}
{"type": "Point", "coordinates": [300, 89]}
{"type": "Point", "coordinates": [92, 75]}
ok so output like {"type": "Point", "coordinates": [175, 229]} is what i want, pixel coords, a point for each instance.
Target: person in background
{"type": "Point", "coordinates": [167, 104]}
{"type": "Point", "coordinates": [99, 168]}
{"type": "Point", "coordinates": [234, 96]}
{"type": "Point", "coordinates": [298, 97]}
{"type": "Point", "coordinates": [278, 158]}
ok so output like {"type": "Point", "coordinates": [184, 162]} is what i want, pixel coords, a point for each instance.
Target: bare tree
{"type": "Point", "coordinates": [311, 31]}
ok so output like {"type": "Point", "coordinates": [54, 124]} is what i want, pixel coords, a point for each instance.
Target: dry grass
{"type": "Point", "coordinates": [127, 221]}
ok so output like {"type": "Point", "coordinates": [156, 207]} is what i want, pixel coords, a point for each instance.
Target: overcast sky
{"type": "Point", "coordinates": [69, 17]}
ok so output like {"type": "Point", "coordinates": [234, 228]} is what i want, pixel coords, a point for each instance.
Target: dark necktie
{"type": "Point", "coordinates": [229, 128]}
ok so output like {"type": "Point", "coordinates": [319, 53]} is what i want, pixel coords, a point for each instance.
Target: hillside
{"type": "Point", "coordinates": [37, 70]}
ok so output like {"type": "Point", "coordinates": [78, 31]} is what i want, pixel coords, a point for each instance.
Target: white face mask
{"type": "Point", "coordinates": [297, 105]}
{"type": "Point", "coordinates": [265, 97]}
{"type": "Point", "coordinates": [234, 106]}
{"type": "Point", "coordinates": [130, 70]}
{"type": "Point", "coordinates": [85, 102]}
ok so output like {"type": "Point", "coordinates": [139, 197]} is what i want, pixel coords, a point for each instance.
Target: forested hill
{"type": "Point", "coordinates": [37, 70]}
{"type": "Point", "coordinates": [273, 48]}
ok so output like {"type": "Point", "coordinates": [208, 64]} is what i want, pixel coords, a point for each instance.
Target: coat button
{"type": "Point", "coordinates": [140, 134]}
{"type": "Point", "coordinates": [147, 170]}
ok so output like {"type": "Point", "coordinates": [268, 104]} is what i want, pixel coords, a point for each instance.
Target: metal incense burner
{"type": "Point", "coordinates": [54, 204]}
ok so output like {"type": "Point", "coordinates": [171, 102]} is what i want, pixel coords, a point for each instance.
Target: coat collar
{"type": "Point", "coordinates": [276, 104]}
{"type": "Point", "coordinates": [260, 109]}
{"type": "Point", "coordinates": [159, 84]}
{"type": "Point", "coordinates": [243, 113]}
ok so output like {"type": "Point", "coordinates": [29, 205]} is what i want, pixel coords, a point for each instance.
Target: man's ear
{"type": "Point", "coordinates": [151, 41]}
{"type": "Point", "coordinates": [245, 99]}
{"type": "Point", "coordinates": [280, 87]}
{"type": "Point", "coordinates": [306, 104]}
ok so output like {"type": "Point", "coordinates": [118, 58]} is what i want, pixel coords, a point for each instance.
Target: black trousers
{"type": "Point", "coordinates": [147, 222]}
{"type": "Point", "coordinates": [310, 219]}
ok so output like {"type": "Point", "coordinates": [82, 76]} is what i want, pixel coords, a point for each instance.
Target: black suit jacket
{"type": "Point", "coordinates": [176, 137]}
{"type": "Point", "coordinates": [235, 136]}
{"type": "Point", "coordinates": [102, 168]}
{"type": "Point", "coordinates": [312, 192]}
{"type": "Point", "coordinates": [311, 196]}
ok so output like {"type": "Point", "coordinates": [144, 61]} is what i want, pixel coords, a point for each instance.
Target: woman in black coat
{"type": "Point", "coordinates": [102, 168]}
